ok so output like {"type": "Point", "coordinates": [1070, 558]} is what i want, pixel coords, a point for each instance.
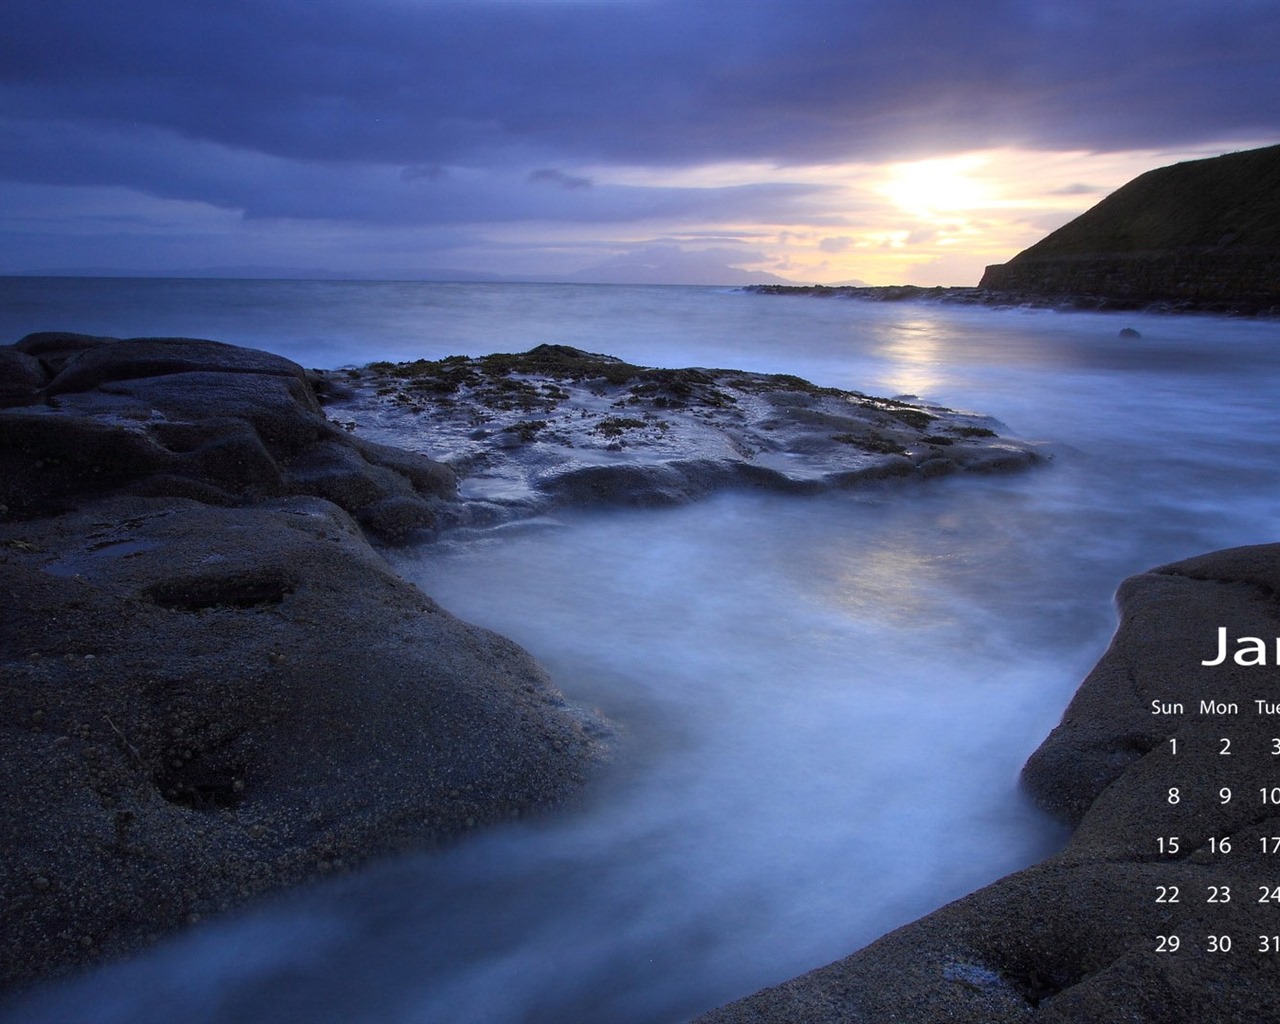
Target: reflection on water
{"type": "Point", "coordinates": [912, 351]}
{"type": "Point", "coordinates": [824, 702]}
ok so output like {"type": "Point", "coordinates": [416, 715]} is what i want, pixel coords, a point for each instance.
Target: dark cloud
{"type": "Point", "coordinates": [446, 83]}
{"type": "Point", "coordinates": [388, 112]}
{"type": "Point", "coordinates": [264, 186]}
{"type": "Point", "coordinates": [551, 176]}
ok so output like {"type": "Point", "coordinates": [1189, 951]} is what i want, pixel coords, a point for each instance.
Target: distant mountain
{"type": "Point", "coordinates": [670, 263]}
{"type": "Point", "coordinates": [1201, 233]}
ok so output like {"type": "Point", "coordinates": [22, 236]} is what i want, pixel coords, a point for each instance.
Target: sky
{"type": "Point", "coordinates": [808, 141]}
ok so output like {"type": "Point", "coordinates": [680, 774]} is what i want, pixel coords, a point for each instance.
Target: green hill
{"type": "Point", "coordinates": [1204, 232]}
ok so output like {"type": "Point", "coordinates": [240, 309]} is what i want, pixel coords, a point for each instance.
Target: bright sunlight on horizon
{"type": "Point", "coordinates": [709, 143]}
{"type": "Point", "coordinates": [942, 220]}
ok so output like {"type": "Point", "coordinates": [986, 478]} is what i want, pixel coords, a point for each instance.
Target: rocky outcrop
{"type": "Point", "coordinates": [190, 418]}
{"type": "Point", "coordinates": [211, 685]}
{"type": "Point", "coordinates": [1204, 234]}
{"type": "Point", "coordinates": [557, 426]}
{"type": "Point", "coordinates": [1077, 937]}
{"type": "Point", "coordinates": [1053, 296]}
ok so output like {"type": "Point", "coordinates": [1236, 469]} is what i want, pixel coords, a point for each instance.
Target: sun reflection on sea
{"type": "Point", "coordinates": [890, 586]}
{"type": "Point", "coordinates": [913, 355]}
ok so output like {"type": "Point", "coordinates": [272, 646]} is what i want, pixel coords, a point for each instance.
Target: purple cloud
{"type": "Point", "coordinates": [551, 176]}
{"type": "Point", "coordinates": [442, 114]}
{"type": "Point", "coordinates": [436, 84]}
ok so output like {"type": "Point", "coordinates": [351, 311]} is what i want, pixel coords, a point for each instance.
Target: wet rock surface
{"type": "Point", "coordinates": [557, 426]}
{"type": "Point", "coordinates": [190, 418]}
{"type": "Point", "coordinates": [212, 685]}
{"type": "Point", "coordinates": [1075, 938]}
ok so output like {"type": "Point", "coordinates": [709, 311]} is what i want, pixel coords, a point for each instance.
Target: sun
{"type": "Point", "coordinates": [937, 189]}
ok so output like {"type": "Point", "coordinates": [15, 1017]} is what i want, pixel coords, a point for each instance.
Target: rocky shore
{"type": "Point", "coordinates": [1077, 937]}
{"type": "Point", "coordinates": [214, 685]}
{"type": "Point", "coordinates": [554, 427]}
{"type": "Point", "coordinates": [1056, 293]}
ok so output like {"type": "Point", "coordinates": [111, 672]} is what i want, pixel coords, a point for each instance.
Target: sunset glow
{"type": "Point", "coordinates": [709, 143]}
{"type": "Point", "coordinates": [938, 189]}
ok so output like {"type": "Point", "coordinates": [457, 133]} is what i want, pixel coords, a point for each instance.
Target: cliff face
{"type": "Point", "coordinates": [1201, 232]}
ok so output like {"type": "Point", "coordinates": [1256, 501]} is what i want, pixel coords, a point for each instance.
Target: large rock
{"type": "Point", "coordinates": [190, 418]}
{"type": "Point", "coordinates": [557, 426]}
{"type": "Point", "coordinates": [135, 358]}
{"type": "Point", "coordinates": [1076, 938]}
{"type": "Point", "coordinates": [211, 685]}
{"type": "Point", "coordinates": [21, 377]}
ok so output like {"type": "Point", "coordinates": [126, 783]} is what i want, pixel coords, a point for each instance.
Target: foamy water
{"type": "Point", "coordinates": [824, 702]}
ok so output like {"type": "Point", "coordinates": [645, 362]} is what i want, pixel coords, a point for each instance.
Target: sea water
{"type": "Point", "coordinates": [822, 703]}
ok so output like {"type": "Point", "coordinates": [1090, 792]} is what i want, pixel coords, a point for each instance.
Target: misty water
{"type": "Point", "coordinates": [822, 703]}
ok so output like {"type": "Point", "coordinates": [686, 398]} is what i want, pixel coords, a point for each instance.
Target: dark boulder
{"type": "Point", "coordinates": [195, 419]}
{"type": "Point", "coordinates": [201, 704]}
{"type": "Point", "coordinates": [211, 686]}
{"type": "Point", "coordinates": [21, 377]}
{"type": "Point", "coordinates": [133, 358]}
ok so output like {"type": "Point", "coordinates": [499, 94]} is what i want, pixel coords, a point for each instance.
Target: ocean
{"type": "Point", "coordinates": [823, 703]}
